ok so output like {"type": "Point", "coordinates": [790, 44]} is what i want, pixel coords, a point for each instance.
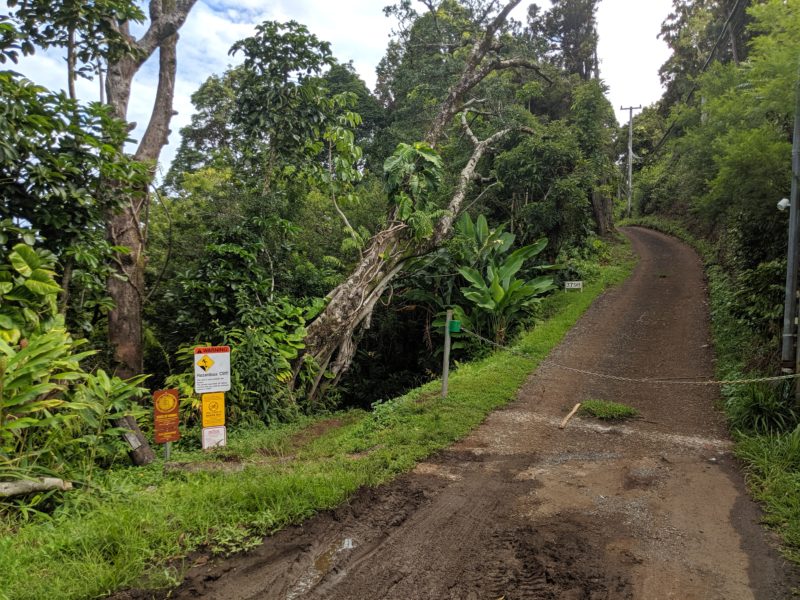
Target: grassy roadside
{"type": "Point", "coordinates": [129, 529]}
{"type": "Point", "coordinates": [772, 461]}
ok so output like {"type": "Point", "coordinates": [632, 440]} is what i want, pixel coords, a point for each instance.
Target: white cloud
{"type": "Point", "coordinates": [631, 52]}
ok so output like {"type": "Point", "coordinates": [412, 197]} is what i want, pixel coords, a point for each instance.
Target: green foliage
{"type": "Point", "coordinates": [550, 182]}
{"type": "Point", "coordinates": [608, 411]}
{"type": "Point", "coordinates": [500, 299]}
{"type": "Point", "coordinates": [54, 416]}
{"type": "Point", "coordinates": [264, 341]}
{"type": "Point", "coordinates": [86, 27]}
{"type": "Point", "coordinates": [413, 176]}
{"type": "Point", "coordinates": [28, 289]}
{"type": "Point", "coordinates": [281, 100]}
{"type": "Point", "coordinates": [774, 476]}
{"type": "Point", "coordinates": [762, 408]}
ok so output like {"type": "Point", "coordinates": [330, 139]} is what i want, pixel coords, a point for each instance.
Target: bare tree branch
{"type": "Point", "coordinates": [162, 26]}
{"type": "Point", "coordinates": [476, 71]}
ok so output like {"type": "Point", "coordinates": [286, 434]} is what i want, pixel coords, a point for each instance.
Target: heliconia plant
{"type": "Point", "coordinates": [55, 417]}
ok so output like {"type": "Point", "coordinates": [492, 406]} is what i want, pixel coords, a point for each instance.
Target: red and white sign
{"type": "Point", "coordinates": [212, 369]}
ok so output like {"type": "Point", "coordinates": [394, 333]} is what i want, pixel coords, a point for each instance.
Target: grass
{"type": "Point", "coordinates": [608, 411]}
{"type": "Point", "coordinates": [134, 527]}
{"type": "Point", "coordinates": [755, 413]}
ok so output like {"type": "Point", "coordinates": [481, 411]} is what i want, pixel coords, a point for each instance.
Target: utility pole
{"type": "Point", "coordinates": [630, 110]}
{"type": "Point", "coordinates": [789, 353]}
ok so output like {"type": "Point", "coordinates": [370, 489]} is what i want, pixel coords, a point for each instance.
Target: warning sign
{"type": "Point", "coordinates": [166, 417]}
{"type": "Point", "coordinates": [214, 437]}
{"type": "Point", "coordinates": [214, 409]}
{"type": "Point", "coordinates": [212, 369]}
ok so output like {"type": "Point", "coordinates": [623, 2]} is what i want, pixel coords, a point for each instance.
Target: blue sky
{"type": "Point", "coordinates": [630, 53]}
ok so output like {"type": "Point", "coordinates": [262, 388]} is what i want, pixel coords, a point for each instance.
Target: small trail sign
{"type": "Point", "coordinates": [165, 415]}
{"type": "Point", "coordinates": [212, 369]}
{"type": "Point", "coordinates": [213, 407]}
{"type": "Point", "coordinates": [214, 437]}
{"type": "Point", "coordinates": [573, 285]}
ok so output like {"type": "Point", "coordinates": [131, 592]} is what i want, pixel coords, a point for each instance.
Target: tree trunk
{"type": "Point", "coordinates": [330, 339]}
{"type": "Point", "coordinates": [602, 210]}
{"type": "Point", "coordinates": [126, 226]}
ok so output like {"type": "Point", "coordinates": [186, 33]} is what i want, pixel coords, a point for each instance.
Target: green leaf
{"type": "Point", "coordinates": [41, 282]}
{"type": "Point", "coordinates": [473, 276]}
{"type": "Point", "coordinates": [481, 230]}
{"type": "Point", "coordinates": [24, 259]}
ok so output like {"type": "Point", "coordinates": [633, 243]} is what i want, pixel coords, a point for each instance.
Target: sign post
{"type": "Point", "coordinates": [166, 418]}
{"type": "Point", "coordinates": [212, 378]}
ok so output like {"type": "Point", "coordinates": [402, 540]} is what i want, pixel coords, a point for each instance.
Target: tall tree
{"type": "Point", "coordinates": [570, 27]}
{"type": "Point", "coordinates": [699, 32]}
{"type": "Point", "coordinates": [127, 226]}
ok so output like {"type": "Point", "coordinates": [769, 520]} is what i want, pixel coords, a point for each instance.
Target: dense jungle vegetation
{"type": "Point", "coordinates": [484, 157]}
{"type": "Point", "coordinates": [322, 229]}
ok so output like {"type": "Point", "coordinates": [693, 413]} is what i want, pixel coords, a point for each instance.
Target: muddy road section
{"type": "Point", "coordinates": [651, 509]}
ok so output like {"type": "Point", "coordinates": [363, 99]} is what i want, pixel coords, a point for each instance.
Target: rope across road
{"type": "Point", "coordinates": [645, 380]}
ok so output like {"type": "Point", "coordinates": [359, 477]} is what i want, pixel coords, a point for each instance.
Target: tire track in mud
{"type": "Point", "coordinates": [654, 509]}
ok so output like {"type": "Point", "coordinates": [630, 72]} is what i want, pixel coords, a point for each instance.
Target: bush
{"type": "Point", "coordinates": [763, 408]}
{"type": "Point", "coordinates": [55, 418]}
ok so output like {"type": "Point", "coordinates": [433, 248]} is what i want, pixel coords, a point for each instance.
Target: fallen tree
{"type": "Point", "coordinates": [331, 338]}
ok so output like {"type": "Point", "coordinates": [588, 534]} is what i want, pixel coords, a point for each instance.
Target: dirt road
{"type": "Point", "coordinates": [652, 509]}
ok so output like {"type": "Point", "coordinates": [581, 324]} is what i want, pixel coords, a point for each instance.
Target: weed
{"type": "Point", "coordinates": [608, 411]}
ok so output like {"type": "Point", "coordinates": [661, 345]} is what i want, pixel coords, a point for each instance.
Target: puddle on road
{"type": "Point", "coordinates": [322, 565]}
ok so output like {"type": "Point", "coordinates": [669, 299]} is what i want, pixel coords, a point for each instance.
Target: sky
{"type": "Point", "coordinates": [629, 50]}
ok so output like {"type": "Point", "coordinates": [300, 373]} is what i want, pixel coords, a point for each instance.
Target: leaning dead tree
{"type": "Point", "coordinates": [126, 226]}
{"type": "Point", "coordinates": [331, 338]}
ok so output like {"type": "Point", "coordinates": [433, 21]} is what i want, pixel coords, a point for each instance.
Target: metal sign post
{"type": "Point", "coordinates": [446, 361]}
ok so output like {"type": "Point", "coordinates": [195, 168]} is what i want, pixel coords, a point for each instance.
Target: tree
{"type": "Point", "coordinates": [697, 32]}
{"type": "Point", "coordinates": [330, 340]}
{"type": "Point", "coordinates": [86, 30]}
{"type": "Point", "coordinates": [570, 28]}
{"type": "Point", "coordinates": [126, 227]}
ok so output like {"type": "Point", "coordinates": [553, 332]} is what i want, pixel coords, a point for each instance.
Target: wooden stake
{"type": "Point", "coordinates": [569, 416]}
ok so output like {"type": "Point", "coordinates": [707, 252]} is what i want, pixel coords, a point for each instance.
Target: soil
{"type": "Point", "coordinates": [654, 508]}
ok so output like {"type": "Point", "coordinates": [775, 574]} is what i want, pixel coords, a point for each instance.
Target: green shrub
{"type": "Point", "coordinates": [55, 418]}
{"type": "Point", "coordinates": [762, 408]}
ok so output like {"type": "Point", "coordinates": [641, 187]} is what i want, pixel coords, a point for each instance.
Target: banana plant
{"type": "Point", "coordinates": [499, 296]}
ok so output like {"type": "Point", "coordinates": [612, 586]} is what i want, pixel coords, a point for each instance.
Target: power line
{"type": "Point", "coordinates": [702, 70]}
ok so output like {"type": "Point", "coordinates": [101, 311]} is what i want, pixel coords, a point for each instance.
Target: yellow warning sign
{"type": "Point", "coordinates": [205, 363]}
{"type": "Point", "coordinates": [214, 409]}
